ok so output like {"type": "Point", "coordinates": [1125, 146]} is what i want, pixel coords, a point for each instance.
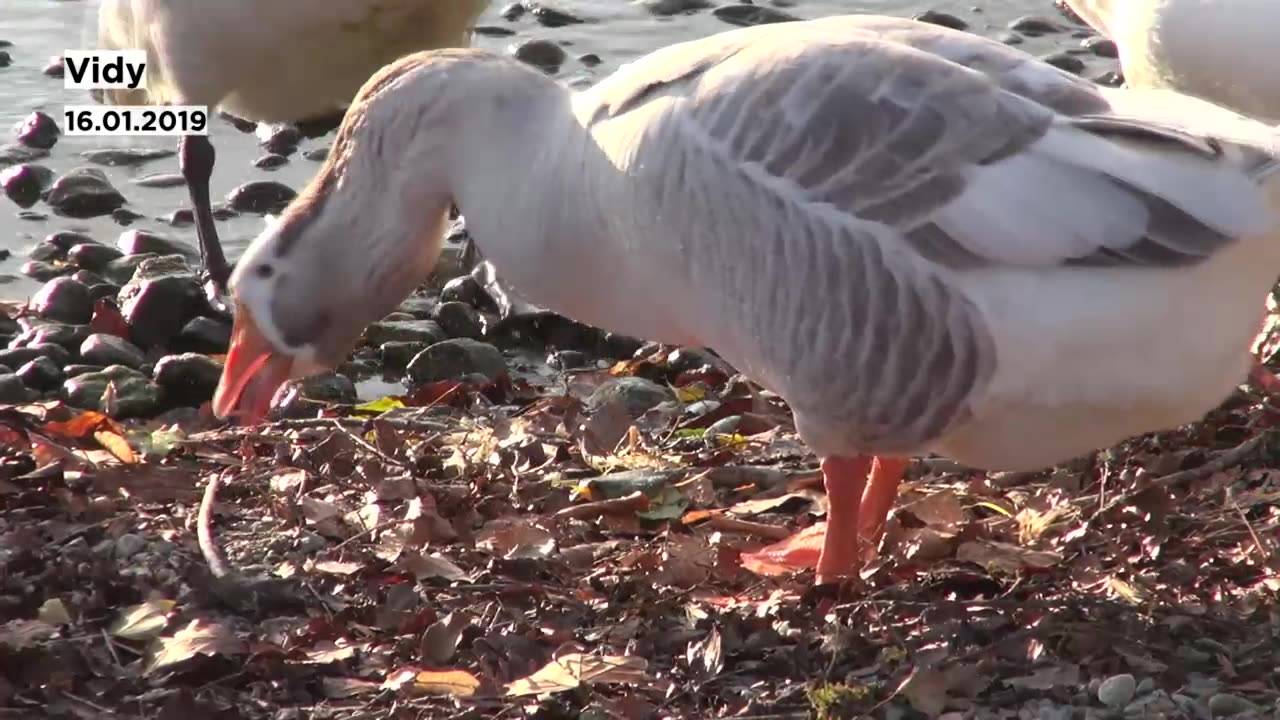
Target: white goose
{"type": "Point", "coordinates": [267, 61]}
{"type": "Point", "coordinates": [925, 241]}
{"type": "Point", "coordinates": [1219, 50]}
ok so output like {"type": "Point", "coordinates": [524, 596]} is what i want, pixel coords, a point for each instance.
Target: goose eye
{"type": "Point", "coordinates": [264, 271]}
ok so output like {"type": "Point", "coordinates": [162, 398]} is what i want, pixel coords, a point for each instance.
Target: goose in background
{"type": "Point", "coordinates": [266, 61]}
{"type": "Point", "coordinates": [923, 240]}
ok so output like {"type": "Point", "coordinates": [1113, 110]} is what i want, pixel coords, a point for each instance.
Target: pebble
{"type": "Point", "coordinates": [396, 354]}
{"type": "Point", "coordinates": [1117, 690]}
{"type": "Point", "coordinates": [23, 183]}
{"type": "Point", "coordinates": [279, 139]}
{"type": "Point", "coordinates": [1101, 46]}
{"type": "Point", "coordinates": [17, 357]}
{"type": "Point", "coordinates": [135, 394]}
{"type": "Point", "coordinates": [128, 545]}
{"type": "Point", "coordinates": [1065, 61]}
{"type": "Point", "coordinates": [459, 320]}
{"type": "Point", "coordinates": [160, 180]}
{"type": "Point", "coordinates": [55, 68]}
{"type": "Point", "coordinates": [84, 192]}
{"type": "Point", "coordinates": [749, 15]}
{"type": "Point", "coordinates": [271, 161]}
{"type": "Point", "coordinates": [41, 374]}
{"type": "Point", "coordinates": [79, 369]}
{"type": "Point", "coordinates": [65, 337]}
{"type": "Point", "coordinates": [38, 130]}
{"type": "Point", "coordinates": [545, 55]}
{"type": "Point", "coordinates": [66, 239]}
{"type": "Point", "coordinates": [41, 270]}
{"type": "Point", "coordinates": [13, 153]}
{"type": "Point", "coordinates": [420, 331]}
{"type": "Point", "coordinates": [187, 378]}
{"type": "Point", "coordinates": [454, 358]}
{"type": "Point", "coordinates": [122, 270]}
{"type": "Point", "coordinates": [93, 256]}
{"type": "Point", "coordinates": [128, 157]}
{"type": "Point", "coordinates": [1155, 704]}
{"type": "Point", "coordinates": [104, 349]}
{"type": "Point", "coordinates": [635, 394]}
{"type": "Point", "coordinates": [12, 390]}
{"type": "Point", "coordinates": [938, 17]}
{"type": "Point", "coordinates": [63, 299]}
{"type": "Point", "coordinates": [298, 397]}
{"type": "Point", "coordinates": [203, 335]}
{"type": "Point", "coordinates": [160, 299]}
{"type": "Point", "coordinates": [261, 197]}
{"type": "Point", "coordinates": [1223, 704]}
{"type": "Point", "coordinates": [1035, 26]}
{"type": "Point", "coordinates": [464, 289]}
{"type": "Point", "coordinates": [567, 359]}
{"type": "Point", "coordinates": [136, 242]}
{"type": "Point", "coordinates": [46, 251]}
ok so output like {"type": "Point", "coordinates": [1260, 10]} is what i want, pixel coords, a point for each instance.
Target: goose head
{"type": "Point", "coordinates": [362, 235]}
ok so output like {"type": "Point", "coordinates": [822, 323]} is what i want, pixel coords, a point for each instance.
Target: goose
{"type": "Point", "coordinates": [265, 61]}
{"type": "Point", "coordinates": [924, 241]}
{"type": "Point", "coordinates": [1213, 49]}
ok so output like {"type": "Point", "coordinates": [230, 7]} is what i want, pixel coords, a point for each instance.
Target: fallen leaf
{"type": "Point", "coordinates": [54, 613]}
{"type": "Point", "coordinates": [381, 405]}
{"type": "Point", "coordinates": [926, 690]}
{"type": "Point", "coordinates": [429, 566]}
{"type": "Point", "coordinates": [458, 683]}
{"type": "Point", "coordinates": [342, 688]}
{"type": "Point", "coordinates": [797, 553]}
{"type": "Point", "coordinates": [1047, 678]}
{"type": "Point", "coordinates": [19, 634]}
{"type": "Point", "coordinates": [515, 538]}
{"type": "Point", "coordinates": [117, 445]}
{"type": "Point", "coordinates": [200, 637]}
{"type": "Point", "coordinates": [1003, 557]}
{"type": "Point", "coordinates": [440, 641]}
{"type": "Point", "coordinates": [143, 622]}
{"type": "Point", "coordinates": [337, 567]}
{"type": "Point", "coordinates": [574, 669]}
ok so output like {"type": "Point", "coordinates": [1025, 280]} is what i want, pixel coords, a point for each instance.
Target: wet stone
{"type": "Point", "coordinates": [160, 180]}
{"type": "Point", "coordinates": [673, 7]}
{"type": "Point", "coordinates": [55, 68]}
{"type": "Point", "coordinates": [24, 183]}
{"type": "Point", "coordinates": [620, 346]}
{"type": "Point", "coordinates": [134, 396]}
{"type": "Point", "coordinates": [160, 299]}
{"type": "Point", "coordinates": [38, 130]}
{"type": "Point", "coordinates": [261, 196]}
{"type": "Point", "coordinates": [46, 251]}
{"type": "Point", "coordinates": [78, 369]}
{"type": "Point", "coordinates": [67, 239]}
{"type": "Point", "coordinates": [422, 331]}
{"type": "Point", "coordinates": [17, 357]}
{"type": "Point", "coordinates": [634, 394]}
{"type": "Point", "coordinates": [136, 242]}
{"type": "Point", "coordinates": [187, 378]}
{"type": "Point", "coordinates": [937, 17]}
{"type": "Point", "coordinates": [42, 271]}
{"type": "Point", "coordinates": [92, 256]}
{"type": "Point", "coordinates": [204, 335]}
{"type": "Point", "coordinates": [1101, 46]}
{"type": "Point", "coordinates": [396, 354]}
{"type": "Point", "coordinates": [5, 59]}
{"type": "Point", "coordinates": [88, 277]}
{"type": "Point", "coordinates": [459, 320]}
{"type": "Point", "coordinates": [749, 15]}
{"type": "Point", "coordinates": [103, 290]}
{"type": "Point", "coordinates": [319, 154]}
{"type": "Point", "coordinates": [83, 193]}
{"type": "Point", "coordinates": [13, 153]}
{"type": "Point", "coordinates": [542, 54]}
{"type": "Point", "coordinates": [279, 139]}
{"type": "Point", "coordinates": [63, 299]}
{"type": "Point", "coordinates": [12, 390]}
{"type": "Point", "coordinates": [567, 359]}
{"type": "Point", "coordinates": [1065, 61]}
{"type": "Point", "coordinates": [67, 337]}
{"type": "Point", "coordinates": [41, 374]}
{"type": "Point", "coordinates": [271, 161]}
{"type": "Point", "coordinates": [328, 387]}
{"type": "Point", "coordinates": [1117, 690]}
{"type": "Point", "coordinates": [104, 349]}
{"type": "Point", "coordinates": [126, 157]}
{"type": "Point", "coordinates": [125, 216]}
{"type": "Point", "coordinates": [1226, 704]}
{"type": "Point", "coordinates": [121, 270]}
{"type": "Point", "coordinates": [454, 358]}
{"type": "Point", "coordinates": [1035, 26]}
{"type": "Point", "coordinates": [417, 307]}
{"type": "Point", "coordinates": [463, 289]}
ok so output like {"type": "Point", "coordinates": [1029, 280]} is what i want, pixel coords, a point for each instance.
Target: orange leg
{"type": "Point", "coordinates": [878, 498]}
{"type": "Point", "coordinates": [844, 479]}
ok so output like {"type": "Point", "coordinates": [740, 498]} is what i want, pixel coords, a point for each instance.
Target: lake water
{"type": "Point", "coordinates": [621, 31]}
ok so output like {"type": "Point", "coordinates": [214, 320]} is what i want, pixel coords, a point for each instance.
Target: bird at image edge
{"type": "Point", "coordinates": [923, 240]}
{"type": "Point", "coordinates": [266, 61]}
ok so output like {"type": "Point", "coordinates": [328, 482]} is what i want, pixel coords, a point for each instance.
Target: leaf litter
{"type": "Point", "coordinates": [501, 551]}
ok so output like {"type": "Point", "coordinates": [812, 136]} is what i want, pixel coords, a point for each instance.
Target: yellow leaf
{"type": "Point", "coordinates": [691, 393]}
{"type": "Point", "coordinates": [381, 405]}
{"type": "Point", "coordinates": [459, 683]}
{"type": "Point", "coordinates": [116, 445]}
{"type": "Point", "coordinates": [992, 506]}
{"type": "Point", "coordinates": [143, 622]}
{"type": "Point", "coordinates": [54, 613]}
{"type": "Point", "coordinates": [574, 669]}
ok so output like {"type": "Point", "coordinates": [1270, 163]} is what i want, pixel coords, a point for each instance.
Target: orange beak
{"type": "Point", "coordinates": [254, 371]}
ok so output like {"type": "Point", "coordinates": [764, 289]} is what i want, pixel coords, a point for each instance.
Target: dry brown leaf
{"type": "Point", "coordinates": [337, 567]}
{"type": "Point", "coordinates": [515, 537]}
{"type": "Point", "coordinates": [574, 669]}
{"type": "Point", "coordinates": [342, 688]}
{"type": "Point", "coordinates": [942, 509]}
{"type": "Point", "coordinates": [1047, 678]}
{"type": "Point", "coordinates": [429, 566]}
{"type": "Point", "coordinates": [1003, 557]}
{"type": "Point", "coordinates": [201, 637]}
{"type": "Point", "coordinates": [19, 634]}
{"type": "Point", "coordinates": [926, 690]}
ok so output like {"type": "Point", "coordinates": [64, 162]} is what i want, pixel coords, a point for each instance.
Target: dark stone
{"type": "Point", "coordinates": [38, 130]}
{"type": "Point", "coordinates": [396, 354]}
{"type": "Point", "coordinates": [66, 239]}
{"type": "Point", "coordinates": [188, 378]}
{"type": "Point", "coordinates": [542, 54]}
{"type": "Point", "coordinates": [24, 183]}
{"type": "Point", "coordinates": [135, 395]}
{"type": "Point", "coordinates": [1035, 26]}
{"type": "Point", "coordinates": [104, 290]}
{"type": "Point", "coordinates": [92, 256]}
{"type": "Point", "coordinates": [17, 357]}
{"type": "Point", "coordinates": [459, 320]}
{"type": "Point", "coordinates": [125, 216]}
{"type": "Point", "coordinates": [421, 331]}
{"type": "Point", "coordinates": [67, 337]}
{"type": "Point", "coordinates": [551, 17]}
{"type": "Point", "coordinates": [13, 153]}
{"type": "Point", "coordinates": [13, 391]}
{"type": "Point", "coordinates": [455, 358]}
{"type": "Point", "coordinates": [121, 271]}
{"type": "Point", "coordinates": [160, 299]}
{"type": "Point", "coordinates": [46, 252]}
{"type": "Point", "coordinates": [89, 278]}
{"type": "Point", "coordinates": [303, 396]}
{"type": "Point", "coordinates": [55, 68]}
{"type": "Point", "coordinates": [1110, 78]}
{"type": "Point", "coordinates": [749, 15]}
{"type": "Point", "coordinates": [138, 242]}
{"type": "Point", "coordinates": [261, 196]}
{"type": "Point", "coordinates": [160, 180]}
{"type": "Point", "coordinates": [319, 154]}
{"type": "Point", "coordinates": [463, 289]}
{"type": "Point", "coordinates": [63, 299]}
{"type": "Point", "coordinates": [270, 161]}
{"type": "Point", "coordinates": [41, 374]}
{"type": "Point", "coordinates": [204, 335]}
{"type": "Point", "coordinates": [664, 8]}
{"type": "Point", "coordinates": [635, 395]}
{"type": "Point", "coordinates": [280, 139]}
{"type": "Point", "coordinates": [42, 271]}
{"type": "Point", "coordinates": [83, 193]}
{"type": "Point", "coordinates": [567, 359]}
{"type": "Point", "coordinates": [1065, 61]}
{"type": "Point", "coordinates": [937, 17]}
{"type": "Point", "coordinates": [1101, 46]}
{"type": "Point", "coordinates": [105, 349]}
{"type": "Point", "coordinates": [129, 157]}
{"type": "Point", "coordinates": [620, 346]}
{"type": "Point", "coordinates": [78, 369]}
